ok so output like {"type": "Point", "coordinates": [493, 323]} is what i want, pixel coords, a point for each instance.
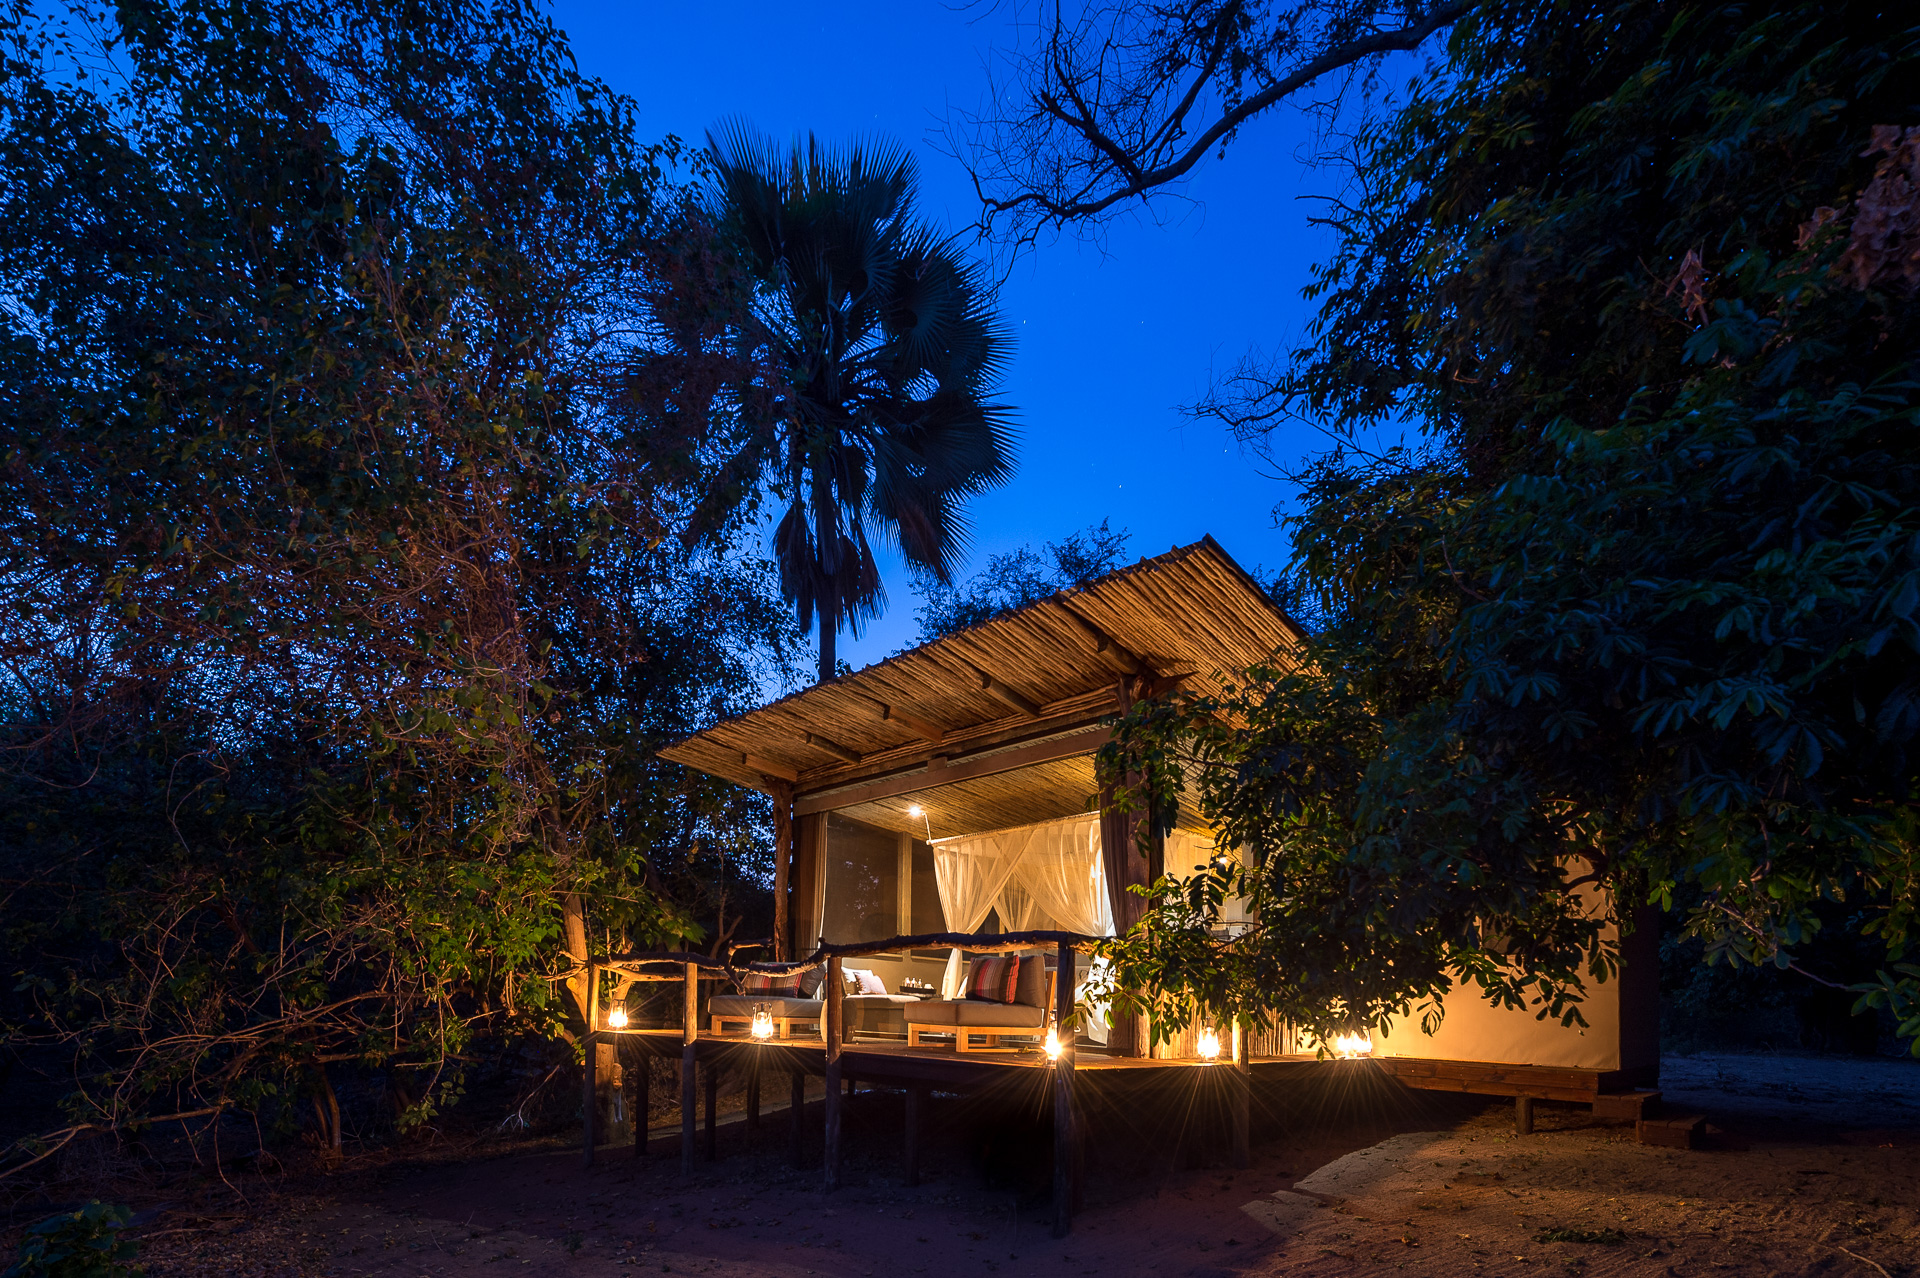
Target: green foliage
{"type": "Point", "coordinates": [345, 603]}
{"type": "Point", "coordinates": [1641, 613]}
{"type": "Point", "coordinates": [868, 353]}
{"type": "Point", "coordinates": [1018, 578]}
{"type": "Point", "coordinates": [78, 1244]}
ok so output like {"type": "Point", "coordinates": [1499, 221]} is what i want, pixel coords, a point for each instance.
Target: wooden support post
{"type": "Point", "coordinates": [1523, 1115]}
{"type": "Point", "coordinates": [1240, 1108]}
{"type": "Point", "coordinates": [590, 1090]}
{"type": "Point", "coordinates": [782, 794]}
{"type": "Point", "coordinates": [589, 1101]}
{"type": "Point", "coordinates": [798, 1134]}
{"type": "Point", "coordinates": [916, 1116]}
{"type": "Point", "coordinates": [713, 1112]}
{"type": "Point", "coordinates": [1064, 1137]}
{"type": "Point", "coordinates": [689, 1037]}
{"type": "Point", "coordinates": [1126, 866]}
{"type": "Point", "coordinates": [640, 1088]}
{"type": "Point", "coordinates": [836, 1013]}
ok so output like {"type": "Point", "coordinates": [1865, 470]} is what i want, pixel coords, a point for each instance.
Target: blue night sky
{"type": "Point", "coordinates": [1110, 339]}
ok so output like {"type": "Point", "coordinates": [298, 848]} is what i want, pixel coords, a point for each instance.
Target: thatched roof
{"type": "Point", "coordinates": [1046, 672]}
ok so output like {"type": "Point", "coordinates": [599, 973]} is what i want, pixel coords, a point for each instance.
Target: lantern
{"type": "Point", "coordinates": [762, 1027]}
{"type": "Point", "coordinates": [1209, 1044]}
{"type": "Point", "coordinates": [1053, 1045]}
{"type": "Point", "coordinates": [1352, 1046]}
{"type": "Point", "coordinates": [617, 1018]}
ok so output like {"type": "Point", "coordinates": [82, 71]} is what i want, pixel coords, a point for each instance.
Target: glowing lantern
{"type": "Point", "coordinates": [617, 1018]}
{"type": "Point", "coordinates": [1209, 1045]}
{"type": "Point", "coordinates": [1352, 1046]}
{"type": "Point", "coordinates": [1053, 1045]}
{"type": "Point", "coordinates": [762, 1023]}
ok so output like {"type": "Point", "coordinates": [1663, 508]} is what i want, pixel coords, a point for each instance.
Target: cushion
{"type": "Point", "coordinates": [933, 1011]}
{"type": "Point", "coordinates": [865, 981]}
{"type": "Point", "coordinates": [743, 1005]}
{"type": "Point", "coordinates": [1004, 1015]}
{"type": "Point", "coordinates": [1032, 986]}
{"type": "Point", "coordinates": [811, 980]}
{"type": "Point", "coordinates": [771, 984]}
{"type": "Point", "coordinates": [971, 1012]}
{"type": "Point", "coordinates": [993, 980]}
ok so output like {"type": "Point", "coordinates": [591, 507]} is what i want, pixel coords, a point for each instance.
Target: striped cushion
{"type": "Point", "coordinates": [993, 980]}
{"type": "Point", "coordinates": [772, 984]}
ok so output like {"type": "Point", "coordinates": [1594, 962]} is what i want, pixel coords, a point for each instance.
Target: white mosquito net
{"type": "Point", "coordinates": [1048, 876]}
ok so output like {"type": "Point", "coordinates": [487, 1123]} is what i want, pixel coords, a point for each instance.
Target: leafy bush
{"type": "Point", "coordinates": [79, 1244]}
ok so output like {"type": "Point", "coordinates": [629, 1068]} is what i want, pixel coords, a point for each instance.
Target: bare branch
{"type": "Point", "coordinates": [1124, 98]}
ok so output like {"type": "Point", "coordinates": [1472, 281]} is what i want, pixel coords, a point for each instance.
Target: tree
{"type": "Point", "coordinates": [344, 605]}
{"type": "Point", "coordinates": [1021, 577]}
{"type": "Point", "coordinates": [874, 356]}
{"type": "Point", "coordinates": [1120, 100]}
{"type": "Point", "coordinates": [1644, 274]}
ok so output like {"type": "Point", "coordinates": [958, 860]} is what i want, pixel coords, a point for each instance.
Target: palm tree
{"type": "Point", "coordinates": [886, 352]}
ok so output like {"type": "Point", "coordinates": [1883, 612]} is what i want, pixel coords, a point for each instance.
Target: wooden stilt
{"type": "Point", "coordinates": [589, 1101]}
{"type": "Point", "coordinates": [689, 1038]}
{"type": "Point", "coordinates": [1064, 1137]}
{"type": "Point", "coordinates": [713, 1112]}
{"type": "Point", "coordinates": [590, 1091]}
{"type": "Point", "coordinates": [916, 1115]}
{"type": "Point", "coordinates": [798, 1134]}
{"type": "Point", "coordinates": [640, 1088]}
{"type": "Point", "coordinates": [688, 1104]}
{"type": "Point", "coordinates": [836, 1013]}
{"type": "Point", "coordinates": [1523, 1115]}
{"type": "Point", "coordinates": [782, 794]}
{"type": "Point", "coordinates": [1240, 1106]}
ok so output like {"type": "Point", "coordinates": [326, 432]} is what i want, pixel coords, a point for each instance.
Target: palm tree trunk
{"type": "Point", "coordinates": [829, 633]}
{"type": "Point", "coordinates": [826, 540]}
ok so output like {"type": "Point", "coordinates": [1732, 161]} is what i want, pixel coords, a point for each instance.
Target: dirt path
{"type": "Point", "coordinates": [1818, 1171]}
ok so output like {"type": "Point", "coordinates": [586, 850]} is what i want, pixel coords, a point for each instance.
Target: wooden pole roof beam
{"type": "Point", "coordinates": [768, 768]}
{"type": "Point", "coordinates": [894, 714]}
{"type": "Point", "coordinates": [1103, 643]}
{"type": "Point", "coordinates": [994, 687]}
{"type": "Point", "coordinates": [911, 724]}
{"type": "Point", "coordinates": [833, 748]}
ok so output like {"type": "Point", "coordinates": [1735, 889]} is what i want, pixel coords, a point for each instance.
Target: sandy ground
{"type": "Point", "coordinates": [1815, 1169]}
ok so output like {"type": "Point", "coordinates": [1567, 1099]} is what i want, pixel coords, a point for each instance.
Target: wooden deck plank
{"type": "Point", "coordinates": [884, 1061]}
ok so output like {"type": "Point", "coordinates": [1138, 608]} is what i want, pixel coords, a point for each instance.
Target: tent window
{"type": "Point", "coordinates": [863, 882]}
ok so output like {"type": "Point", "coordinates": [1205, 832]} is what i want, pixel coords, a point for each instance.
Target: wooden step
{"type": "Point", "coordinates": [1628, 1107]}
{"type": "Point", "coordinates": [1681, 1132]}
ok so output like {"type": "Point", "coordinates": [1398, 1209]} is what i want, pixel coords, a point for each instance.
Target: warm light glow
{"type": "Point", "coordinates": [1053, 1045]}
{"type": "Point", "coordinates": [1209, 1044]}
{"type": "Point", "coordinates": [914, 810]}
{"type": "Point", "coordinates": [617, 1018]}
{"type": "Point", "coordinates": [1351, 1046]}
{"type": "Point", "coordinates": [762, 1023]}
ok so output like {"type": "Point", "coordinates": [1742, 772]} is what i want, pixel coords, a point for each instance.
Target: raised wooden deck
{"type": "Point", "coordinates": [882, 1061]}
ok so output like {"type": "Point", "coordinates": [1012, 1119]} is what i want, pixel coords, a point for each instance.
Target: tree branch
{"type": "Point", "coordinates": [1103, 122]}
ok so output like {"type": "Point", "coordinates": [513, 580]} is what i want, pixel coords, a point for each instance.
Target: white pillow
{"type": "Point", "coordinates": [862, 980]}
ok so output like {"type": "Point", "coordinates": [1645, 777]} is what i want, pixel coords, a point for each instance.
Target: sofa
{"type": "Point", "coordinates": [997, 1006]}
{"type": "Point", "coordinates": [873, 1011]}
